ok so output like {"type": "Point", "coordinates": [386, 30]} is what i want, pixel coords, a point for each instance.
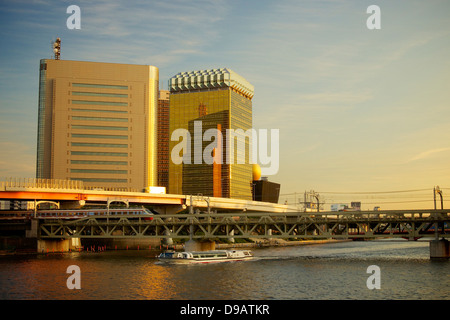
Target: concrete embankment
{"type": "Point", "coordinates": [156, 245]}
{"type": "Point", "coordinates": [275, 243]}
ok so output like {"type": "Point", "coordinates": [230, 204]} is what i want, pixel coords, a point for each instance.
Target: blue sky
{"type": "Point", "coordinates": [357, 109]}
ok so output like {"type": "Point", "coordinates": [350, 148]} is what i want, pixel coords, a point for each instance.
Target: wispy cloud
{"type": "Point", "coordinates": [133, 33]}
{"type": "Point", "coordinates": [428, 153]}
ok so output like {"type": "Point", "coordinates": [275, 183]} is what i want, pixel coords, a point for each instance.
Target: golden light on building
{"type": "Point", "coordinates": [97, 123]}
{"type": "Point", "coordinates": [219, 99]}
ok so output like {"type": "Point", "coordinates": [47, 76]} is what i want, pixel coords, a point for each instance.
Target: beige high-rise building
{"type": "Point", "coordinates": [98, 123]}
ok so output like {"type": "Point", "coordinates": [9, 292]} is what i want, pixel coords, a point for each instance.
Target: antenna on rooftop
{"type": "Point", "coordinates": [57, 48]}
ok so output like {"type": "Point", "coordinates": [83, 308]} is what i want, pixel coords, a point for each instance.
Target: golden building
{"type": "Point", "coordinates": [219, 99]}
{"type": "Point", "coordinates": [163, 139]}
{"type": "Point", "coordinates": [97, 123]}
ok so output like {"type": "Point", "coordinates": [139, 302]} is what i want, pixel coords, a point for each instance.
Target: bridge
{"type": "Point", "coordinates": [72, 195]}
{"type": "Point", "coordinates": [411, 225]}
{"type": "Point", "coordinates": [209, 218]}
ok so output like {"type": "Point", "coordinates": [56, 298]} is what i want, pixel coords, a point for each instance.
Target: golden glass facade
{"type": "Point", "coordinates": [163, 139]}
{"type": "Point", "coordinates": [97, 123]}
{"type": "Point", "coordinates": [209, 96]}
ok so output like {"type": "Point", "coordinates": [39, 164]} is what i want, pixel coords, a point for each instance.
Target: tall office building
{"type": "Point", "coordinates": [163, 139]}
{"type": "Point", "coordinates": [217, 99]}
{"type": "Point", "coordinates": [97, 123]}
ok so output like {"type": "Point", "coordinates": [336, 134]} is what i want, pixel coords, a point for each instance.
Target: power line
{"type": "Point", "coordinates": [364, 192]}
{"type": "Point", "coordinates": [381, 202]}
{"type": "Point", "coordinates": [374, 192]}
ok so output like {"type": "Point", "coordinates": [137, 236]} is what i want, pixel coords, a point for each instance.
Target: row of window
{"type": "Point", "coordinates": [100, 145]}
{"type": "Point", "coordinates": [100, 103]}
{"type": "Point", "coordinates": [99, 94]}
{"type": "Point", "coordinates": [99, 162]}
{"type": "Point", "coordinates": [100, 180]}
{"type": "Point", "coordinates": [99, 119]}
{"type": "Point", "coordinates": [104, 86]}
{"type": "Point", "coordinates": [99, 110]}
{"type": "Point", "coordinates": [99, 136]}
{"type": "Point", "coordinates": [98, 171]}
{"type": "Point", "coordinates": [92, 153]}
{"type": "Point", "coordinates": [99, 127]}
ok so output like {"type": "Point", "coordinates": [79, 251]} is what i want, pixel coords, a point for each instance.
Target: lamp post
{"type": "Point", "coordinates": [438, 191]}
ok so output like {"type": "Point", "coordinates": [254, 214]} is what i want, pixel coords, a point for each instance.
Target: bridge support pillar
{"type": "Point", "coordinates": [32, 233]}
{"type": "Point", "coordinates": [193, 245]}
{"type": "Point", "coordinates": [167, 241]}
{"type": "Point", "coordinates": [65, 245]}
{"type": "Point", "coordinates": [439, 249]}
{"type": "Point", "coordinates": [231, 233]}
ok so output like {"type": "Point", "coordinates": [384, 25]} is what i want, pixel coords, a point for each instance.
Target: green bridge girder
{"type": "Point", "coordinates": [411, 224]}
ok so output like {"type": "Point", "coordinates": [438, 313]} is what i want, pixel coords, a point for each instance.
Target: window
{"type": "Point", "coordinates": [100, 103]}
{"type": "Point", "coordinates": [100, 180]}
{"type": "Point", "coordinates": [107, 154]}
{"type": "Point", "coordinates": [99, 136]}
{"type": "Point", "coordinates": [99, 145]}
{"type": "Point", "coordinates": [98, 94]}
{"type": "Point", "coordinates": [105, 86]}
{"type": "Point", "coordinates": [99, 110]}
{"type": "Point", "coordinates": [117, 163]}
{"type": "Point", "coordinates": [98, 171]}
{"type": "Point", "coordinates": [99, 119]}
{"type": "Point", "coordinates": [99, 127]}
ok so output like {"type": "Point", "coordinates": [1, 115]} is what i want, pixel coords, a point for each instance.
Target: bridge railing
{"type": "Point", "coordinates": [36, 183]}
{"type": "Point", "coordinates": [30, 183]}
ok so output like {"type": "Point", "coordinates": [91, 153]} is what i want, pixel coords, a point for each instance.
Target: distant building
{"type": "Point", "coordinates": [356, 205]}
{"type": "Point", "coordinates": [16, 205]}
{"type": "Point", "coordinates": [264, 190]}
{"type": "Point", "coordinates": [339, 207]}
{"type": "Point", "coordinates": [97, 123]}
{"type": "Point", "coordinates": [219, 97]}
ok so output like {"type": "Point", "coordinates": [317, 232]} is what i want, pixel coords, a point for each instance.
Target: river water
{"type": "Point", "coordinates": [321, 271]}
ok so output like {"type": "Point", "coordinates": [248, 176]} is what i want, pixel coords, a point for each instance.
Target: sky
{"type": "Point", "coordinates": [358, 110]}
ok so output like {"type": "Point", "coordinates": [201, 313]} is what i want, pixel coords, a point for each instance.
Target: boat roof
{"type": "Point", "coordinates": [210, 251]}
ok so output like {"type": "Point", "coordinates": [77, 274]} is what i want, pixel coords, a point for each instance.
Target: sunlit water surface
{"type": "Point", "coordinates": [325, 271]}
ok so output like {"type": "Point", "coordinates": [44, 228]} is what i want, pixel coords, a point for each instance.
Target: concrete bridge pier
{"type": "Point", "coordinates": [193, 245]}
{"type": "Point", "coordinates": [167, 241]}
{"type": "Point", "coordinates": [439, 249]}
{"type": "Point", "coordinates": [57, 245]}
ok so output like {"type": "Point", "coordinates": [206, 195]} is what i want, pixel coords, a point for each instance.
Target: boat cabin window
{"type": "Point", "coordinates": [167, 255]}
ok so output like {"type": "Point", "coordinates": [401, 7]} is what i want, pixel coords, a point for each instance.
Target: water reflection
{"type": "Point", "coordinates": [334, 271]}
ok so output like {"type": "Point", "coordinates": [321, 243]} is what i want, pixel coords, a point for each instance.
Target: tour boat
{"type": "Point", "coordinates": [205, 256]}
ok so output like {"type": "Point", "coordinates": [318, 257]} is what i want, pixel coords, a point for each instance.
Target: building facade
{"type": "Point", "coordinates": [211, 99]}
{"type": "Point", "coordinates": [163, 139]}
{"type": "Point", "coordinates": [266, 191]}
{"type": "Point", "coordinates": [97, 123]}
